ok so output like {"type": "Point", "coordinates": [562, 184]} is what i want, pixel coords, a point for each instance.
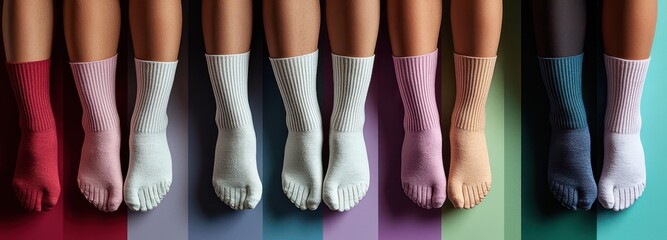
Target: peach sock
{"type": "Point", "coordinates": [470, 172]}
{"type": "Point", "coordinates": [100, 178]}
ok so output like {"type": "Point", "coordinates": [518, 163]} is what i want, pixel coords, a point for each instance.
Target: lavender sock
{"type": "Point", "coordinates": [422, 171]}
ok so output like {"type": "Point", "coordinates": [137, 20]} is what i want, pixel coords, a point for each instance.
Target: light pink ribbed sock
{"type": "Point", "coordinates": [623, 175]}
{"type": "Point", "coordinates": [100, 178]}
{"type": "Point", "coordinates": [422, 171]}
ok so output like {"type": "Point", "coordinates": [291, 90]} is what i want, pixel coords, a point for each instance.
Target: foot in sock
{"type": "Point", "coordinates": [470, 170]}
{"type": "Point", "coordinates": [99, 178]}
{"type": "Point", "coordinates": [422, 171]}
{"type": "Point", "coordinates": [235, 177]}
{"type": "Point", "coordinates": [569, 171]}
{"type": "Point", "coordinates": [348, 174]}
{"type": "Point", "coordinates": [570, 175]}
{"type": "Point", "coordinates": [623, 175]}
{"type": "Point", "coordinates": [36, 180]}
{"type": "Point", "coordinates": [302, 165]}
{"type": "Point", "coordinates": [149, 174]}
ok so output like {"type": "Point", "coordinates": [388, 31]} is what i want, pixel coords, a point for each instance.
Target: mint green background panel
{"type": "Point", "coordinates": [498, 216]}
{"type": "Point", "coordinates": [646, 218]}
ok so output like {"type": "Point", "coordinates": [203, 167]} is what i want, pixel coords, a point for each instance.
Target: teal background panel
{"type": "Point", "coordinates": [646, 218]}
{"type": "Point", "coordinates": [542, 217]}
{"type": "Point", "coordinates": [282, 220]}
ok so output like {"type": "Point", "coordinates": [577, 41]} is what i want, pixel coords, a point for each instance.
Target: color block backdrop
{"type": "Point", "coordinates": [519, 205]}
{"type": "Point", "coordinates": [542, 215]}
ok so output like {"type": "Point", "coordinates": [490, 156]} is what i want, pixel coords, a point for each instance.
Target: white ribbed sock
{"type": "Point", "coordinates": [348, 174]}
{"type": "Point", "coordinates": [623, 175]}
{"type": "Point", "coordinates": [235, 177]}
{"type": "Point", "coordinates": [302, 167]}
{"type": "Point", "coordinates": [149, 174]}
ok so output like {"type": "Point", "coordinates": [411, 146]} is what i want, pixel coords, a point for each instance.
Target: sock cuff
{"type": "Point", "coordinates": [351, 78]}
{"type": "Point", "coordinates": [229, 79]}
{"type": "Point", "coordinates": [625, 82]}
{"type": "Point", "coordinates": [297, 81]}
{"type": "Point", "coordinates": [96, 84]}
{"type": "Point", "coordinates": [31, 85]}
{"type": "Point", "coordinates": [154, 82]}
{"type": "Point", "coordinates": [416, 82]}
{"type": "Point", "coordinates": [562, 78]}
{"type": "Point", "coordinates": [473, 81]}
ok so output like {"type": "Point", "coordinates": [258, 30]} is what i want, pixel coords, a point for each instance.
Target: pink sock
{"type": "Point", "coordinates": [100, 178]}
{"type": "Point", "coordinates": [422, 171]}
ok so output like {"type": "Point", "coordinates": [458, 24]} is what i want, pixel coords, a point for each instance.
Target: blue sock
{"type": "Point", "coordinates": [570, 174]}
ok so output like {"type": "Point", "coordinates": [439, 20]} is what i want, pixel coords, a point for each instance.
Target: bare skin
{"type": "Point", "coordinates": [227, 26]}
{"type": "Point", "coordinates": [628, 28]}
{"type": "Point", "coordinates": [560, 27]}
{"type": "Point", "coordinates": [292, 27]}
{"type": "Point", "coordinates": [92, 29]}
{"type": "Point", "coordinates": [156, 27]}
{"type": "Point", "coordinates": [353, 26]}
{"type": "Point", "coordinates": [414, 26]}
{"type": "Point", "coordinates": [27, 30]}
{"type": "Point", "coordinates": [476, 26]}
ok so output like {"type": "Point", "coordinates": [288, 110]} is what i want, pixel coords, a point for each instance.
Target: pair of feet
{"type": "Point", "coordinates": [237, 183]}
{"type": "Point", "coordinates": [571, 178]}
{"type": "Point", "coordinates": [149, 174]}
{"type": "Point", "coordinates": [100, 180]}
{"type": "Point", "coordinates": [423, 175]}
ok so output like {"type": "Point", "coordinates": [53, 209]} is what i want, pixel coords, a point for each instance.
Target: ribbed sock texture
{"type": "Point", "coordinates": [302, 166]}
{"type": "Point", "coordinates": [469, 171]}
{"type": "Point", "coordinates": [100, 178]}
{"type": "Point", "coordinates": [149, 174]}
{"type": "Point", "coordinates": [570, 174]}
{"type": "Point", "coordinates": [348, 174]}
{"type": "Point", "coordinates": [235, 177]}
{"type": "Point", "coordinates": [36, 180]}
{"type": "Point", "coordinates": [422, 171]}
{"type": "Point", "coordinates": [623, 175]}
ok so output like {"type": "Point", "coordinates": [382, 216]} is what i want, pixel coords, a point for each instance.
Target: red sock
{"type": "Point", "coordinates": [36, 179]}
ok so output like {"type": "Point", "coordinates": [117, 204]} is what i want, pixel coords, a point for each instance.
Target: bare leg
{"type": "Point", "coordinates": [27, 29]}
{"type": "Point", "coordinates": [292, 28]}
{"type": "Point", "coordinates": [628, 28]}
{"type": "Point", "coordinates": [227, 26]}
{"type": "Point", "coordinates": [227, 29]}
{"type": "Point", "coordinates": [414, 26]}
{"type": "Point", "coordinates": [353, 29]}
{"type": "Point", "coordinates": [156, 35]}
{"type": "Point", "coordinates": [476, 26]}
{"type": "Point", "coordinates": [92, 29]}
{"type": "Point", "coordinates": [560, 27]}
{"type": "Point", "coordinates": [353, 26]}
{"type": "Point", "coordinates": [27, 32]}
{"type": "Point", "coordinates": [476, 30]}
{"type": "Point", "coordinates": [156, 29]}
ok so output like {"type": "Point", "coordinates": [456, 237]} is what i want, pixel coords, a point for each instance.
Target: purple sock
{"type": "Point", "coordinates": [422, 171]}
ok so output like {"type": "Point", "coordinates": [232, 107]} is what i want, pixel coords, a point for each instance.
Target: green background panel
{"type": "Point", "coordinates": [499, 214]}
